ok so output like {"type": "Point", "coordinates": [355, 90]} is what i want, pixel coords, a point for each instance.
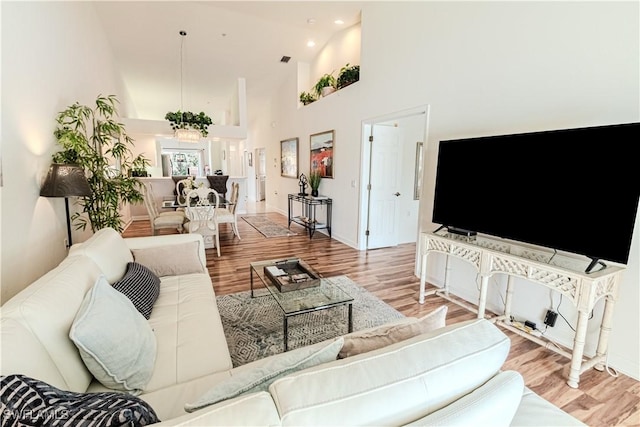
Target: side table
{"type": "Point", "coordinates": [307, 217]}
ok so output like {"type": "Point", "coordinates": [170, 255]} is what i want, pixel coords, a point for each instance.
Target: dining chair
{"type": "Point", "coordinates": [182, 188]}
{"type": "Point", "coordinates": [161, 220]}
{"type": "Point", "coordinates": [228, 215]}
{"type": "Point", "coordinates": [202, 205]}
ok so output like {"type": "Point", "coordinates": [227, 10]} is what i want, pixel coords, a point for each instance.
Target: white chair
{"type": "Point", "coordinates": [164, 220]}
{"type": "Point", "coordinates": [228, 215]}
{"type": "Point", "coordinates": [202, 204]}
{"type": "Point", "coordinates": [182, 188]}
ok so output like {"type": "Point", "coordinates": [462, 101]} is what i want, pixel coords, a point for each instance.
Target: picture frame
{"type": "Point", "coordinates": [321, 158]}
{"type": "Point", "coordinates": [289, 158]}
{"type": "Point", "coordinates": [417, 180]}
{"type": "Point", "coordinates": [250, 158]}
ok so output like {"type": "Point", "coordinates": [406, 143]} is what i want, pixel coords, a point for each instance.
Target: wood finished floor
{"type": "Point", "coordinates": [601, 400]}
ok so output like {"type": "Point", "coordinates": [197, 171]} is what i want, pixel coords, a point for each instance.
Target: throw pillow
{"type": "Point", "coordinates": [141, 286]}
{"type": "Point", "coordinates": [382, 336]}
{"type": "Point", "coordinates": [29, 402]}
{"type": "Point", "coordinates": [170, 260]}
{"type": "Point", "coordinates": [115, 341]}
{"type": "Point", "coordinates": [260, 378]}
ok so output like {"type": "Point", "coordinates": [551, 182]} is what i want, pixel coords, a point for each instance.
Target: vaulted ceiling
{"type": "Point", "coordinates": [225, 40]}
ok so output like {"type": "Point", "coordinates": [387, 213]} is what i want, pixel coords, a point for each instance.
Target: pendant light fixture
{"type": "Point", "coordinates": [181, 133]}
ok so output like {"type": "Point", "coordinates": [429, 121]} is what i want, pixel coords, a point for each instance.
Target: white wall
{"type": "Point", "coordinates": [484, 68]}
{"type": "Point", "coordinates": [53, 54]}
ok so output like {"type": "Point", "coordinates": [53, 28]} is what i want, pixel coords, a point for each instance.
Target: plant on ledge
{"type": "Point", "coordinates": [307, 98]}
{"type": "Point", "coordinates": [348, 74]}
{"type": "Point", "coordinates": [314, 182]}
{"type": "Point", "coordinates": [93, 139]}
{"type": "Point", "coordinates": [189, 120]}
{"type": "Point", "coordinates": [325, 85]}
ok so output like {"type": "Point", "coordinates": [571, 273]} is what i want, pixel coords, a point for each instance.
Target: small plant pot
{"type": "Point", "coordinates": [314, 193]}
{"type": "Point", "coordinates": [328, 90]}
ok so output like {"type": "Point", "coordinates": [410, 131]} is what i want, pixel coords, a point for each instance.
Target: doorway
{"type": "Point", "coordinates": [390, 210]}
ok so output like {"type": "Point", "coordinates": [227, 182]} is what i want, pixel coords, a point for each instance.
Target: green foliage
{"type": "Point", "coordinates": [93, 139]}
{"type": "Point", "coordinates": [314, 179]}
{"type": "Point", "coordinates": [189, 120]}
{"type": "Point", "coordinates": [307, 98]}
{"type": "Point", "coordinates": [348, 74]}
{"type": "Point", "coordinates": [324, 81]}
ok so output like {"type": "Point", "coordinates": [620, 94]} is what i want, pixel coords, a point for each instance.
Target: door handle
{"type": "Point", "coordinates": [397, 194]}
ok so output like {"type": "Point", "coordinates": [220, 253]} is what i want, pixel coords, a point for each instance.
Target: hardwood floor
{"type": "Point", "coordinates": [601, 400]}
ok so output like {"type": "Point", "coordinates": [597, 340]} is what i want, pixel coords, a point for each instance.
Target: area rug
{"type": "Point", "coordinates": [267, 227]}
{"type": "Point", "coordinates": [254, 326]}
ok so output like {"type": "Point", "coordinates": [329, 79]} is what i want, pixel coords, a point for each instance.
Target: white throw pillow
{"type": "Point", "coordinates": [115, 341]}
{"type": "Point", "coordinates": [259, 379]}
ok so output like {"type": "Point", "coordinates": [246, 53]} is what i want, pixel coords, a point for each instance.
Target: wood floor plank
{"type": "Point", "coordinates": [601, 400]}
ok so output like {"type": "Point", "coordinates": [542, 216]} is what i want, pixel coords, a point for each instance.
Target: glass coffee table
{"type": "Point", "coordinates": [295, 302]}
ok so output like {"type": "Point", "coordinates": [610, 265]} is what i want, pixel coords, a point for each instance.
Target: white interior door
{"type": "Point", "coordinates": [385, 187]}
{"type": "Point", "coordinates": [261, 173]}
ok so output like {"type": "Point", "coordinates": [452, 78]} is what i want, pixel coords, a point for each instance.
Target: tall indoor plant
{"type": "Point", "coordinates": [93, 139]}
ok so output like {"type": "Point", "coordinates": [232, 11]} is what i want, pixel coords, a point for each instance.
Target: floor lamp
{"type": "Point", "coordinates": [65, 181]}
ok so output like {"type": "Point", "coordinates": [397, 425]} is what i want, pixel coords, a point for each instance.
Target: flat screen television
{"type": "Point", "coordinates": [573, 190]}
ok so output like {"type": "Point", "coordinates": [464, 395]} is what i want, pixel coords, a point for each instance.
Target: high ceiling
{"type": "Point", "coordinates": [225, 40]}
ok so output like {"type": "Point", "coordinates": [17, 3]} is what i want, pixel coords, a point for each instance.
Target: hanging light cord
{"type": "Point", "coordinates": [183, 34]}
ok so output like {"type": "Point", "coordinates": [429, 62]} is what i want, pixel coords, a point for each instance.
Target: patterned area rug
{"type": "Point", "coordinates": [267, 227]}
{"type": "Point", "coordinates": [254, 326]}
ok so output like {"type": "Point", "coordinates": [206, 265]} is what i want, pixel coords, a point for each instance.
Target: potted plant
{"type": "Point", "coordinates": [307, 98]}
{"type": "Point", "coordinates": [325, 85]}
{"type": "Point", "coordinates": [348, 74]}
{"type": "Point", "coordinates": [94, 139]}
{"type": "Point", "coordinates": [314, 182]}
{"type": "Point", "coordinates": [189, 120]}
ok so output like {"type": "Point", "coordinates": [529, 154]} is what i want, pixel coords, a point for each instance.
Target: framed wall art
{"type": "Point", "coordinates": [289, 158]}
{"type": "Point", "coordinates": [322, 153]}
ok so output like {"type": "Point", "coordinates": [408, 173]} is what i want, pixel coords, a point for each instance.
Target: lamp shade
{"type": "Point", "coordinates": [65, 181]}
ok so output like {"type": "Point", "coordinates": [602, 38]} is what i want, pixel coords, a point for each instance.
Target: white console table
{"type": "Point", "coordinates": [562, 274]}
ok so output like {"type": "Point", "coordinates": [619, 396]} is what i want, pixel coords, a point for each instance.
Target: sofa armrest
{"type": "Point", "coordinates": [167, 240]}
{"type": "Point", "coordinates": [492, 404]}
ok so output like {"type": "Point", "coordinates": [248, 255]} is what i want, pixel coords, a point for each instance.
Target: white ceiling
{"type": "Point", "coordinates": [225, 40]}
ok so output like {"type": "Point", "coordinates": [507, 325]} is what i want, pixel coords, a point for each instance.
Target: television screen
{"type": "Point", "coordinates": [574, 190]}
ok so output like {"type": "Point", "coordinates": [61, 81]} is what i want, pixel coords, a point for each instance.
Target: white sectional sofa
{"type": "Point", "coordinates": [451, 376]}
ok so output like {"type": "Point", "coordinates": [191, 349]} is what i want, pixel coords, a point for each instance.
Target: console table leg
{"type": "Point", "coordinates": [482, 301]}
{"type": "Point", "coordinates": [605, 329]}
{"type": "Point", "coordinates": [578, 349]}
{"type": "Point", "coordinates": [423, 277]}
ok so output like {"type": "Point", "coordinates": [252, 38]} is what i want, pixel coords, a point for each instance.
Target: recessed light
{"type": "Point", "coordinates": [338, 22]}
{"type": "Point", "coordinates": [311, 21]}
{"type": "Point", "coordinates": [311, 43]}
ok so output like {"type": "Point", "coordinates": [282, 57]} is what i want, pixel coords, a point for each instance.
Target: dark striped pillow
{"type": "Point", "coordinates": [141, 286]}
{"type": "Point", "coordinates": [30, 402]}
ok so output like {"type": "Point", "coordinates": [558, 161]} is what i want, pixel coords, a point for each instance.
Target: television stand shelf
{"type": "Point", "coordinates": [561, 274]}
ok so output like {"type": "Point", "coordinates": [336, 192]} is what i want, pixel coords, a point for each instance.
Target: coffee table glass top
{"type": "Point", "coordinates": [326, 294]}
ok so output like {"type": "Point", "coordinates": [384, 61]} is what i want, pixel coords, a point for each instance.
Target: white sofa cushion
{"type": "Point", "coordinates": [260, 377]}
{"type": "Point", "coordinates": [115, 341]}
{"type": "Point", "coordinates": [395, 384]}
{"type": "Point", "coordinates": [35, 326]}
{"type": "Point", "coordinates": [256, 409]}
{"type": "Point", "coordinates": [108, 250]}
{"type": "Point", "coordinates": [188, 329]}
{"type": "Point", "coordinates": [492, 404]}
